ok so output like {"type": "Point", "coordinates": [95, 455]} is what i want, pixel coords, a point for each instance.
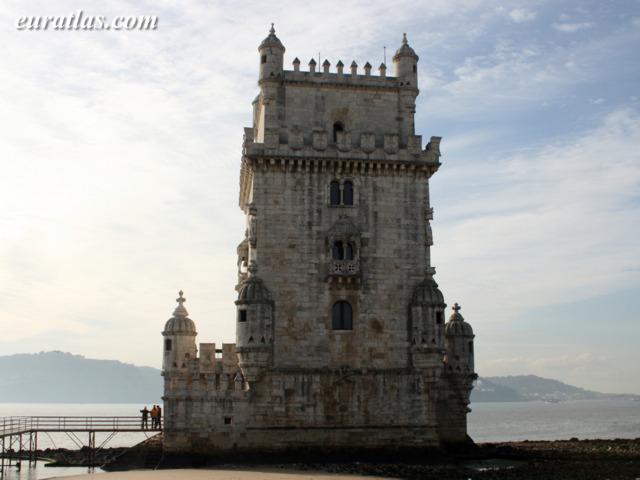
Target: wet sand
{"type": "Point", "coordinates": [215, 474]}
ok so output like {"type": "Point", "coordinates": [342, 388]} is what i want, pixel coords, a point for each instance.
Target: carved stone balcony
{"type": "Point", "coordinates": [344, 268]}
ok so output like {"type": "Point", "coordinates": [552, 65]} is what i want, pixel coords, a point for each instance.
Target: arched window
{"type": "Point", "coordinates": [335, 193]}
{"type": "Point", "coordinates": [347, 193]}
{"type": "Point", "coordinates": [337, 252]}
{"type": "Point", "coordinates": [342, 316]}
{"type": "Point", "coordinates": [348, 253]}
{"type": "Point", "coordinates": [337, 127]}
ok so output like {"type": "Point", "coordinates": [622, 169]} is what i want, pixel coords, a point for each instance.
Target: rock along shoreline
{"type": "Point", "coordinates": [539, 460]}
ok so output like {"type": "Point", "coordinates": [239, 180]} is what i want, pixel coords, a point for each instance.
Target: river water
{"type": "Point", "coordinates": [488, 422]}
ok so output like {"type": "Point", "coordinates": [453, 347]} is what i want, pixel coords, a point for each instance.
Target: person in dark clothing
{"type": "Point", "coordinates": [145, 418]}
{"type": "Point", "coordinates": [159, 418]}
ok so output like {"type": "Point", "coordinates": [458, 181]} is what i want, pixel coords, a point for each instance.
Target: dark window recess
{"type": "Point", "coordinates": [337, 127]}
{"type": "Point", "coordinates": [167, 345]}
{"type": "Point", "coordinates": [263, 59]}
{"type": "Point", "coordinates": [335, 193]}
{"type": "Point", "coordinates": [242, 315]}
{"type": "Point", "coordinates": [415, 69]}
{"type": "Point", "coordinates": [227, 420]}
{"type": "Point", "coordinates": [337, 252]}
{"type": "Point", "coordinates": [439, 318]}
{"type": "Point", "coordinates": [470, 347]}
{"type": "Point", "coordinates": [347, 193]}
{"type": "Point", "coordinates": [342, 316]}
{"type": "Point", "coordinates": [348, 253]}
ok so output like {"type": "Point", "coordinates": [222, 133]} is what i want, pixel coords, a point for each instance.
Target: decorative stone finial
{"type": "Point", "coordinates": [456, 307]}
{"type": "Point", "coordinates": [404, 38]}
{"type": "Point", "coordinates": [272, 30]}
{"type": "Point", "coordinates": [180, 311]}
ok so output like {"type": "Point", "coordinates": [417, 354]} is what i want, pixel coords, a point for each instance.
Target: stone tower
{"type": "Point", "coordinates": [341, 342]}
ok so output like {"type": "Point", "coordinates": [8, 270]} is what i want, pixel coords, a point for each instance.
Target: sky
{"type": "Point", "coordinates": [120, 157]}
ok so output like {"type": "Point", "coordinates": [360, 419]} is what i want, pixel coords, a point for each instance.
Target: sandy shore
{"type": "Point", "coordinates": [214, 474]}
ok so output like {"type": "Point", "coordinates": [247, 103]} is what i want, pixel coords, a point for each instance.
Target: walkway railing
{"type": "Point", "coordinates": [17, 425]}
{"type": "Point", "coordinates": [20, 434]}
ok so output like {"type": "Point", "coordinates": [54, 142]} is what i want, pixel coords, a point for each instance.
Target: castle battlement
{"type": "Point", "coordinates": [368, 146]}
{"type": "Point", "coordinates": [339, 78]}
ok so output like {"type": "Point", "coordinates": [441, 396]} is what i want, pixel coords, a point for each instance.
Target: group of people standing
{"type": "Point", "coordinates": [156, 417]}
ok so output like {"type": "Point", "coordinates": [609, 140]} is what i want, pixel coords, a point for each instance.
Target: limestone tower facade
{"type": "Point", "coordinates": [341, 342]}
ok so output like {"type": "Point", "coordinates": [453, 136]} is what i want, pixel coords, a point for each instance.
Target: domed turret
{"type": "Point", "coordinates": [405, 62]}
{"type": "Point", "coordinates": [253, 291]}
{"type": "Point", "coordinates": [459, 343]}
{"type": "Point", "coordinates": [179, 338]}
{"type": "Point", "coordinates": [427, 324]}
{"type": "Point", "coordinates": [271, 56]}
{"type": "Point", "coordinates": [428, 293]}
{"type": "Point", "coordinates": [254, 327]}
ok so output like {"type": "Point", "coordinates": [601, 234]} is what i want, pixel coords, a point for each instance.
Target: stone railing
{"type": "Point", "coordinates": [344, 267]}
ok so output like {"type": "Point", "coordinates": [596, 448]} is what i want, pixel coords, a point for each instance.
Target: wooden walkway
{"type": "Point", "coordinates": [19, 435]}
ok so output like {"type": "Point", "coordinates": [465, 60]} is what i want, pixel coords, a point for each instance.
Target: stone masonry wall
{"type": "Point", "coordinates": [293, 255]}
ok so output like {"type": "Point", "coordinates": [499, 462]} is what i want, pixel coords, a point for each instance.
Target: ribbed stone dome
{"type": "Point", "coordinates": [456, 324]}
{"type": "Point", "coordinates": [405, 50]}
{"type": "Point", "coordinates": [180, 323]}
{"type": "Point", "coordinates": [272, 41]}
{"type": "Point", "coordinates": [427, 293]}
{"type": "Point", "coordinates": [253, 291]}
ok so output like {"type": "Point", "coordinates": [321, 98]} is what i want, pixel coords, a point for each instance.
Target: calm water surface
{"type": "Point", "coordinates": [585, 419]}
{"type": "Point", "coordinates": [488, 422]}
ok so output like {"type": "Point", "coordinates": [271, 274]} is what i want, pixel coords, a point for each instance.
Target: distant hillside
{"type": "Point", "coordinates": [57, 377]}
{"type": "Point", "coordinates": [530, 387]}
{"type": "Point", "coordinates": [485, 390]}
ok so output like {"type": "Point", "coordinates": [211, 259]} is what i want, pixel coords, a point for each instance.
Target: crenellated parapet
{"type": "Point", "coordinates": [363, 146]}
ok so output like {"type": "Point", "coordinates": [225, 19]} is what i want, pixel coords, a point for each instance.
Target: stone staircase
{"type": "Point", "coordinates": [155, 452]}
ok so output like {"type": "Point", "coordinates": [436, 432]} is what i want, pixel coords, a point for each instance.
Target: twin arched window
{"type": "Point", "coordinates": [341, 196]}
{"type": "Point", "coordinates": [342, 316]}
{"type": "Point", "coordinates": [342, 251]}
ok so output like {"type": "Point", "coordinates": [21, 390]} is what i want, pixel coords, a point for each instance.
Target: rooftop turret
{"type": "Point", "coordinates": [406, 64]}
{"type": "Point", "coordinates": [180, 323]}
{"type": "Point", "coordinates": [271, 56]}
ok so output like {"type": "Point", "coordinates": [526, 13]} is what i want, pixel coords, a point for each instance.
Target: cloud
{"type": "Point", "coordinates": [522, 15]}
{"type": "Point", "coordinates": [522, 227]}
{"type": "Point", "coordinates": [572, 27]}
